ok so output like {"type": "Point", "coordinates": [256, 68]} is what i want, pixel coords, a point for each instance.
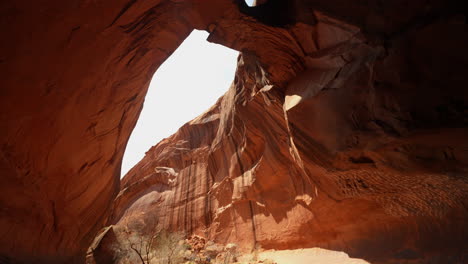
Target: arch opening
{"type": "Point", "coordinates": [250, 2]}
{"type": "Point", "coordinates": [188, 83]}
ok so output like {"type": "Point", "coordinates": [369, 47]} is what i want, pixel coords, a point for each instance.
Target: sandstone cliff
{"type": "Point", "coordinates": [345, 127]}
{"type": "Point", "coordinates": [73, 79]}
{"type": "Point", "coordinates": [333, 140]}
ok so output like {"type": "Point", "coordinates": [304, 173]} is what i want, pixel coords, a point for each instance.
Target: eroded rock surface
{"type": "Point", "coordinates": [73, 79]}
{"type": "Point", "coordinates": [345, 127]}
{"type": "Point", "coordinates": [330, 136]}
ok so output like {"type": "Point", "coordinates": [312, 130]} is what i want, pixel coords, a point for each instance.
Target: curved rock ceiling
{"type": "Point", "coordinates": [345, 127]}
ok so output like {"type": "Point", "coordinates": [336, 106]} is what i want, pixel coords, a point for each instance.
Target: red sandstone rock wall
{"type": "Point", "coordinates": [73, 79]}
{"type": "Point", "coordinates": [345, 127]}
{"type": "Point", "coordinates": [332, 140]}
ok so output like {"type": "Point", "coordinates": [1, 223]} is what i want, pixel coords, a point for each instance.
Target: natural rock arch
{"type": "Point", "coordinates": [74, 75]}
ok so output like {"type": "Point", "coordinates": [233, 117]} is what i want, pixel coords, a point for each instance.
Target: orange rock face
{"type": "Point", "coordinates": [73, 80]}
{"type": "Point", "coordinates": [345, 127]}
{"type": "Point", "coordinates": [325, 139]}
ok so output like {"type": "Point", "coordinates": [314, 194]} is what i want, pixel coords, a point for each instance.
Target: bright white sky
{"type": "Point", "coordinates": [185, 85]}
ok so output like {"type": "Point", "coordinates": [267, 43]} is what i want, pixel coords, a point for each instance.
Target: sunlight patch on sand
{"type": "Point", "coordinates": [309, 256]}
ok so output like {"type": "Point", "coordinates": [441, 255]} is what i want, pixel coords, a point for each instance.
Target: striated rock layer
{"type": "Point", "coordinates": [345, 127]}
{"type": "Point", "coordinates": [73, 79]}
{"type": "Point", "coordinates": [343, 134]}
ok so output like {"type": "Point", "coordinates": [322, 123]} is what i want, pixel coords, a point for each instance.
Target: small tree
{"type": "Point", "coordinates": [170, 247]}
{"type": "Point", "coordinates": [150, 244]}
{"type": "Point", "coordinates": [141, 244]}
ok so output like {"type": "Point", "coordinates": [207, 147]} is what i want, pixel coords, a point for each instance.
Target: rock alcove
{"type": "Point", "coordinates": [345, 127]}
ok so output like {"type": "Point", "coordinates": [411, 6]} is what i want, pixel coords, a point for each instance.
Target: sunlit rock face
{"type": "Point", "coordinates": [345, 127]}
{"type": "Point", "coordinates": [340, 134]}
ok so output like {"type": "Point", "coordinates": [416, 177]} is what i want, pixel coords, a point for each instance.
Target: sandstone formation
{"type": "Point", "coordinates": [73, 79]}
{"type": "Point", "coordinates": [345, 127]}
{"type": "Point", "coordinates": [345, 134]}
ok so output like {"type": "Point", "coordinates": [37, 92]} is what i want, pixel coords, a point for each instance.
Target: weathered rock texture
{"type": "Point", "coordinates": [345, 127]}
{"type": "Point", "coordinates": [347, 133]}
{"type": "Point", "coordinates": [73, 79]}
